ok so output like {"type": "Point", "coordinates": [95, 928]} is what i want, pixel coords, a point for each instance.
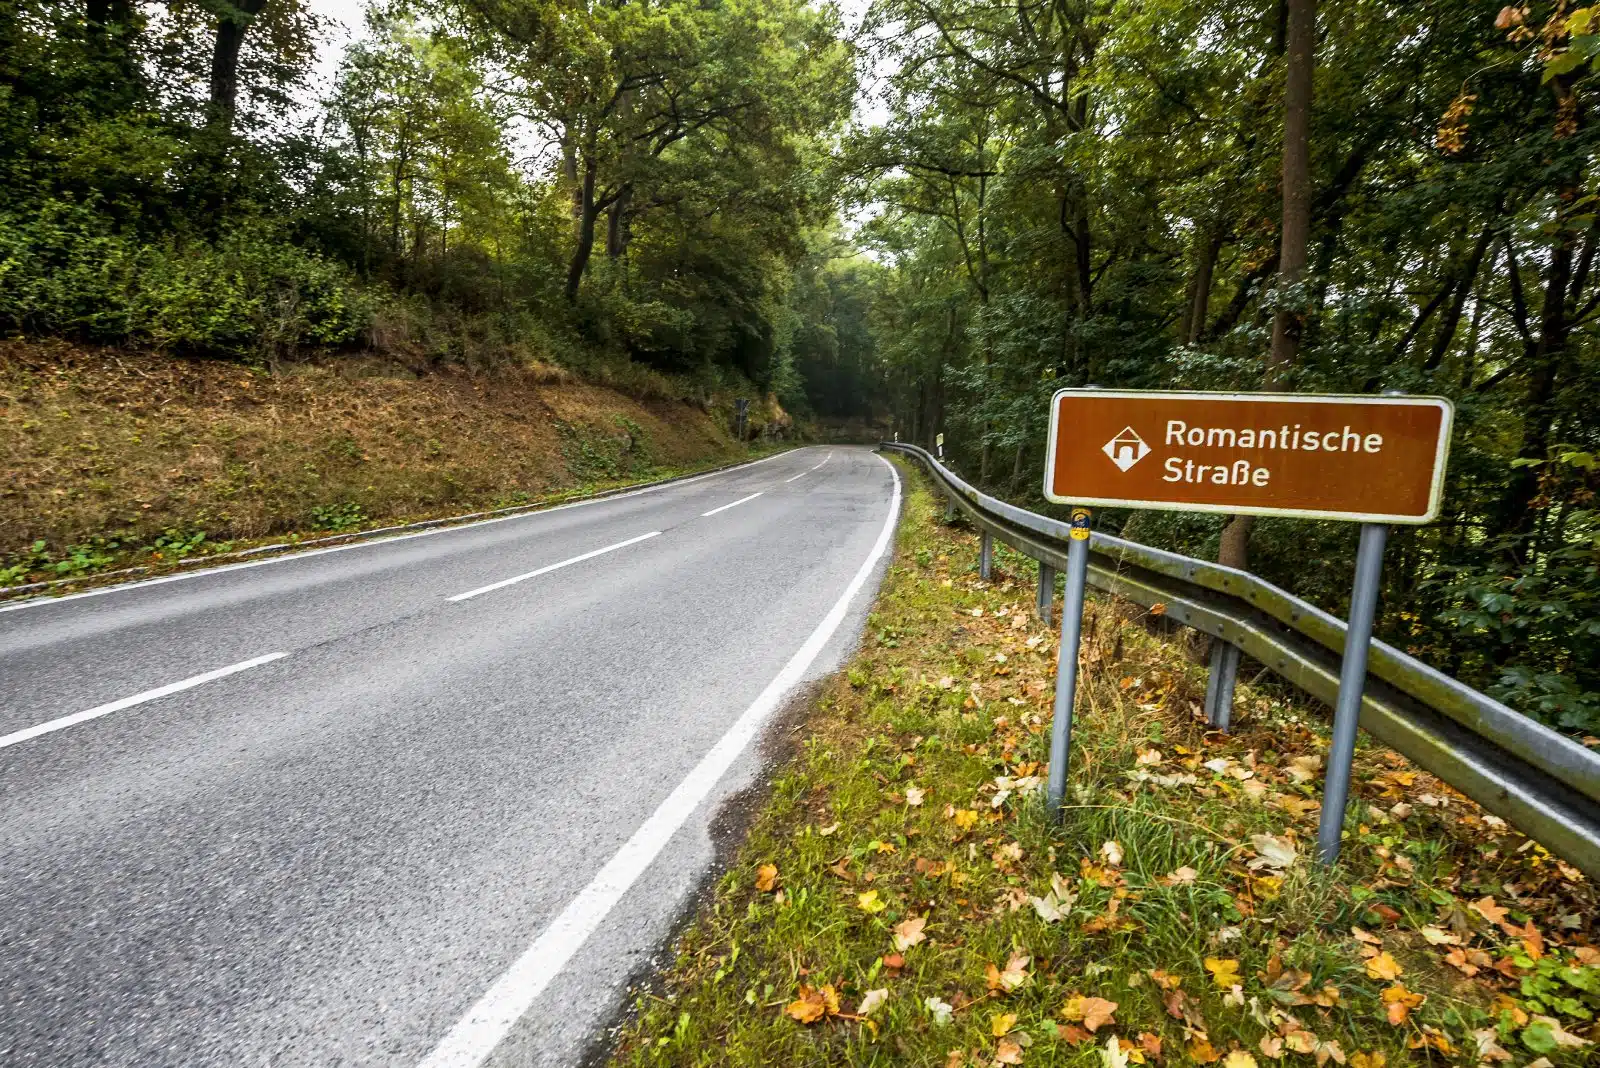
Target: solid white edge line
{"type": "Point", "coordinates": [475, 1035]}
{"type": "Point", "coordinates": [128, 702]}
{"type": "Point", "coordinates": [735, 504]}
{"type": "Point", "coordinates": [590, 555]}
{"type": "Point", "coordinates": [42, 600]}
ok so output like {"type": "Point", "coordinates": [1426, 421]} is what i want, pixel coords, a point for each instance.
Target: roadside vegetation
{"type": "Point", "coordinates": [1339, 196]}
{"type": "Point", "coordinates": [127, 459]}
{"type": "Point", "coordinates": [902, 899]}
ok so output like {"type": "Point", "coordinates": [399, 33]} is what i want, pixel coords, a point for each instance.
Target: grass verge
{"type": "Point", "coordinates": [903, 900]}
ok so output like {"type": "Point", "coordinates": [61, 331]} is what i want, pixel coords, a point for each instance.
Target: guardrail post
{"type": "Point", "coordinates": [985, 556]}
{"type": "Point", "coordinates": [1067, 659]}
{"type": "Point", "coordinates": [1352, 684]}
{"type": "Point", "coordinates": [1047, 592]}
{"type": "Point", "coordinates": [1219, 688]}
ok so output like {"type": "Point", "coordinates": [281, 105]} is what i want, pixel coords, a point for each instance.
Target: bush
{"type": "Point", "coordinates": [249, 294]}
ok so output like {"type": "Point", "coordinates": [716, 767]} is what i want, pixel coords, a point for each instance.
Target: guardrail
{"type": "Point", "coordinates": [1543, 782]}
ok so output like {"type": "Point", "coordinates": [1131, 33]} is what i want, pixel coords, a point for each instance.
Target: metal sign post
{"type": "Point", "coordinates": [1067, 658]}
{"type": "Point", "coordinates": [938, 445]}
{"type": "Point", "coordinates": [1374, 460]}
{"type": "Point", "coordinates": [1352, 685]}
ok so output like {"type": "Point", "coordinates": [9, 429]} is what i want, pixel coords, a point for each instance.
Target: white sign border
{"type": "Point", "coordinates": [1435, 492]}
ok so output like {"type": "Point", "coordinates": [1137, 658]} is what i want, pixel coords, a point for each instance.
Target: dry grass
{"type": "Point", "coordinates": [108, 447]}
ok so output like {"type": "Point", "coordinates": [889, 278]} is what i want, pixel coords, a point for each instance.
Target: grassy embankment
{"type": "Point", "coordinates": [901, 899]}
{"type": "Point", "coordinates": [113, 459]}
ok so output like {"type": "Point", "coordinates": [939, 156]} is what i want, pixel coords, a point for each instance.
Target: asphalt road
{"type": "Point", "coordinates": [438, 829]}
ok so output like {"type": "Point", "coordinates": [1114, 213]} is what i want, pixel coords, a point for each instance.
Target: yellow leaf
{"type": "Point", "coordinates": [1001, 1023]}
{"type": "Point", "coordinates": [1384, 966]}
{"type": "Point", "coordinates": [1238, 1058]}
{"type": "Point", "coordinates": [966, 818]}
{"type": "Point", "coordinates": [1400, 1002]}
{"type": "Point", "coordinates": [869, 902]}
{"type": "Point", "coordinates": [767, 878]}
{"type": "Point", "coordinates": [813, 1004]}
{"type": "Point", "coordinates": [1224, 971]}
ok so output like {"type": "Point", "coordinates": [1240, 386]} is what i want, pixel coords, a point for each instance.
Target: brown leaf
{"type": "Point", "coordinates": [1072, 1034]}
{"type": "Point", "coordinates": [1151, 1044]}
{"type": "Point", "coordinates": [767, 878]}
{"type": "Point", "coordinates": [1093, 1013]}
{"type": "Point", "coordinates": [1486, 908]}
{"type": "Point", "coordinates": [1008, 1052]}
{"type": "Point", "coordinates": [908, 933]}
{"type": "Point", "coordinates": [814, 1004]}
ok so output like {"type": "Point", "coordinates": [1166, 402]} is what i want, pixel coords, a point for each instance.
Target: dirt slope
{"type": "Point", "coordinates": [113, 450]}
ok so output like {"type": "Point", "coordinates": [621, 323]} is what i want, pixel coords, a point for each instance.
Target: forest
{"type": "Point", "coordinates": [934, 213]}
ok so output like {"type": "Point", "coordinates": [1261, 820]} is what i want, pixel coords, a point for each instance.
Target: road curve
{"type": "Point", "coordinates": [424, 801]}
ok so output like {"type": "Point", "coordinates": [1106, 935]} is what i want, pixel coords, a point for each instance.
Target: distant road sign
{"type": "Point", "coordinates": [1374, 459]}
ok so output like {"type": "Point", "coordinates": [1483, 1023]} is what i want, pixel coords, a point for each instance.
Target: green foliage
{"type": "Point", "coordinates": [250, 293]}
{"type": "Point", "coordinates": [345, 515]}
{"type": "Point", "coordinates": [1090, 192]}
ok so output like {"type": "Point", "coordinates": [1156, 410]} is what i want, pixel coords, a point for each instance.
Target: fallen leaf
{"type": "Point", "coordinates": [1271, 1046]}
{"type": "Point", "coordinates": [1486, 908]}
{"type": "Point", "coordinates": [1384, 966]}
{"type": "Point", "coordinates": [870, 903]}
{"type": "Point", "coordinates": [829, 829]}
{"type": "Point", "coordinates": [872, 1000]}
{"type": "Point", "coordinates": [1072, 1034]}
{"type": "Point", "coordinates": [1489, 1048]}
{"type": "Point", "coordinates": [1224, 971]}
{"type": "Point", "coordinates": [908, 933]}
{"type": "Point", "coordinates": [914, 795]}
{"type": "Point", "coordinates": [1112, 852]}
{"type": "Point", "coordinates": [767, 878]}
{"type": "Point", "coordinates": [941, 1011]}
{"type": "Point", "coordinates": [1400, 1002]}
{"type": "Point", "coordinates": [1007, 1052]}
{"type": "Point", "coordinates": [1200, 1052]}
{"type": "Point", "coordinates": [1238, 1058]}
{"type": "Point", "coordinates": [1304, 768]}
{"type": "Point", "coordinates": [894, 962]}
{"type": "Point", "coordinates": [966, 818]}
{"type": "Point", "coordinates": [1150, 1044]}
{"type": "Point", "coordinates": [1001, 1023]}
{"type": "Point", "coordinates": [1093, 1013]}
{"type": "Point", "coordinates": [1375, 1059]}
{"type": "Point", "coordinates": [1113, 1055]}
{"type": "Point", "coordinates": [813, 1004]}
{"type": "Point", "coordinates": [1272, 852]}
{"type": "Point", "coordinates": [1438, 936]}
{"type": "Point", "coordinates": [1546, 1035]}
{"type": "Point", "coordinates": [1014, 975]}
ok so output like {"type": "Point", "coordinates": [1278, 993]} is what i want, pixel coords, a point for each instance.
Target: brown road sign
{"type": "Point", "coordinates": [1365, 458]}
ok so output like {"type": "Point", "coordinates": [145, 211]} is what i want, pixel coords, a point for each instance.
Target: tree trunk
{"type": "Point", "coordinates": [231, 30]}
{"type": "Point", "coordinates": [1518, 516]}
{"type": "Point", "coordinates": [1234, 551]}
{"type": "Point", "coordinates": [617, 228]}
{"type": "Point", "coordinates": [1207, 247]}
{"type": "Point", "coordinates": [586, 222]}
{"type": "Point", "coordinates": [1300, 59]}
{"type": "Point", "coordinates": [1466, 278]}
